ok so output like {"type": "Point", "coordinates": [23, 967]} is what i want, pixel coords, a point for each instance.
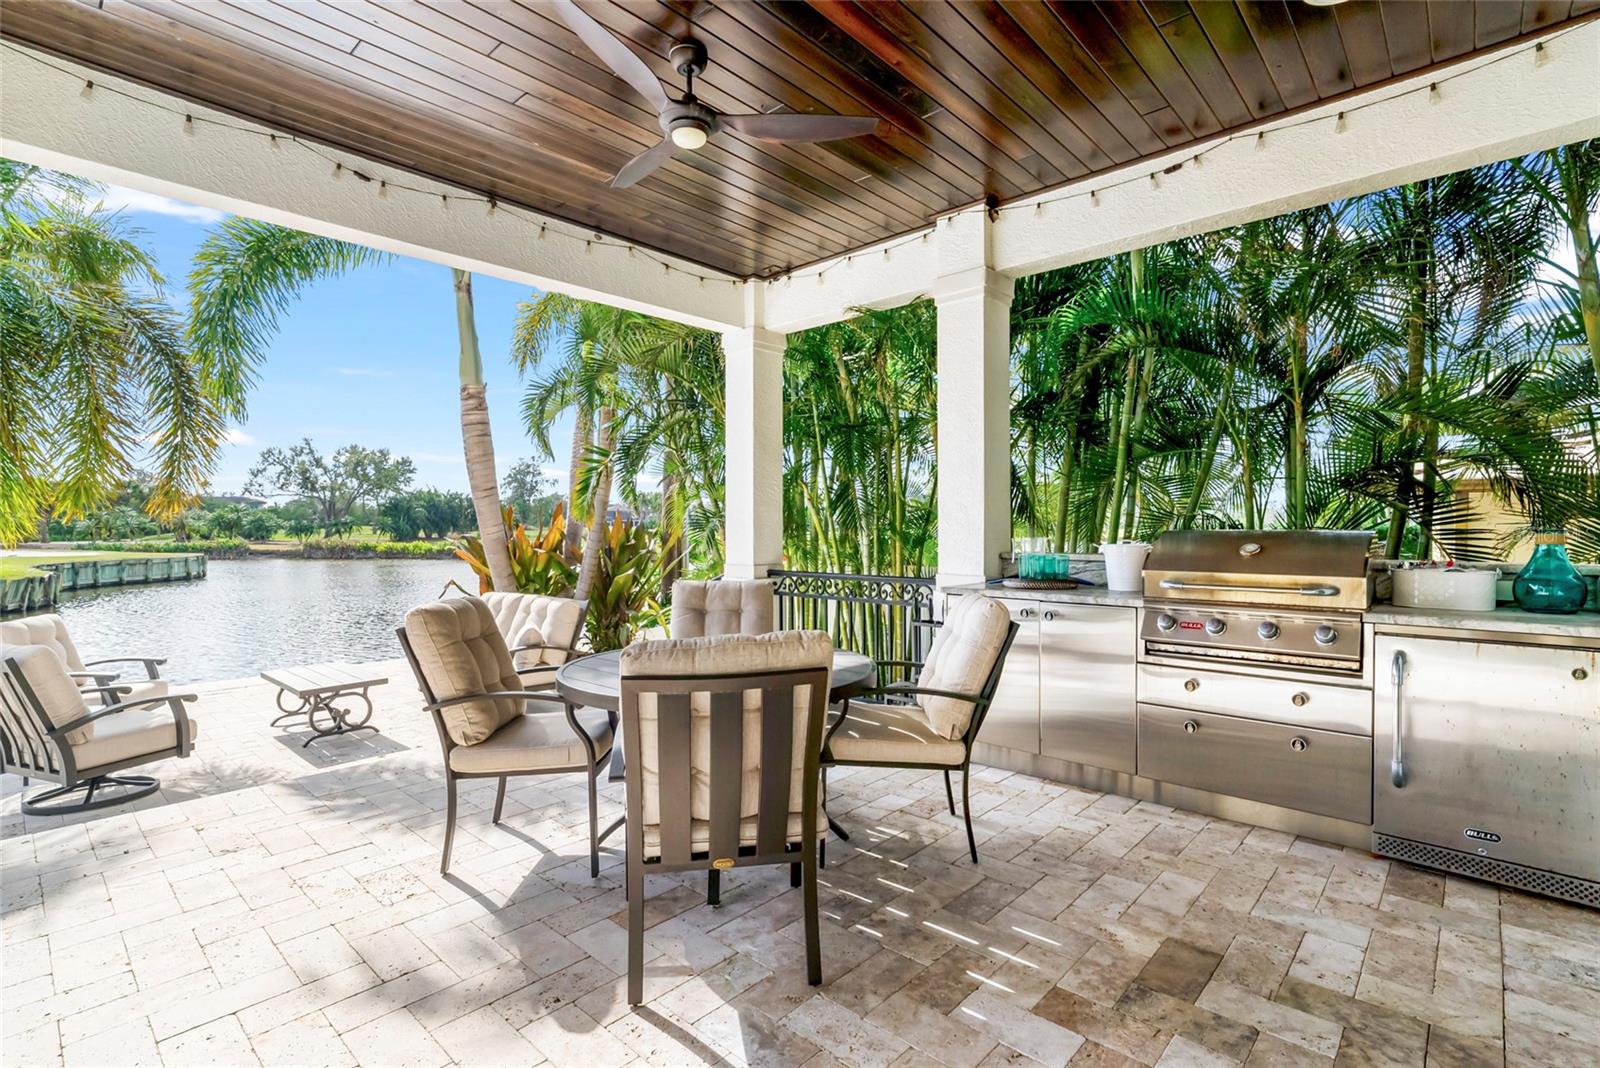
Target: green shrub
{"type": "Point", "coordinates": [339, 549]}
{"type": "Point", "coordinates": [221, 547]}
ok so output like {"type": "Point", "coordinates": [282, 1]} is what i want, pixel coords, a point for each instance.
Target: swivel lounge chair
{"type": "Point", "coordinates": [48, 731]}
{"type": "Point", "coordinates": [51, 630]}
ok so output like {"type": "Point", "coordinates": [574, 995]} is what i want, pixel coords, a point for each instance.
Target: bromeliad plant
{"type": "Point", "coordinates": [537, 560]}
{"type": "Point", "coordinates": [623, 599]}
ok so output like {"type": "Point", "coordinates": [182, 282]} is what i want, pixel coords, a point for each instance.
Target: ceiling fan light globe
{"type": "Point", "coordinates": [689, 137]}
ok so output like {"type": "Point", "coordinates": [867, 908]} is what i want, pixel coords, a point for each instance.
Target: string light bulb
{"type": "Point", "coordinates": [1339, 124]}
{"type": "Point", "coordinates": [1261, 140]}
{"type": "Point", "coordinates": [188, 125]}
{"type": "Point", "coordinates": [1433, 93]}
{"type": "Point", "coordinates": [491, 205]}
{"type": "Point", "coordinates": [383, 189]}
{"type": "Point", "coordinates": [277, 145]}
{"type": "Point", "coordinates": [338, 172]}
{"type": "Point", "coordinates": [1541, 54]}
{"type": "Point", "coordinates": [444, 199]}
{"type": "Point", "coordinates": [87, 90]}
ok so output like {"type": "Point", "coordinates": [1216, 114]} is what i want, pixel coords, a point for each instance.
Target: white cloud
{"type": "Point", "coordinates": [235, 436]}
{"type": "Point", "coordinates": [118, 198]}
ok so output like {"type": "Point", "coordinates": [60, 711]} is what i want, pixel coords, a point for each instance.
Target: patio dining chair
{"type": "Point", "coordinates": [933, 722]}
{"type": "Point", "coordinates": [541, 632]}
{"type": "Point", "coordinates": [489, 725]}
{"type": "Point", "coordinates": [722, 606]}
{"type": "Point", "coordinates": [92, 677]}
{"type": "Point", "coordinates": [48, 731]}
{"type": "Point", "coordinates": [723, 736]}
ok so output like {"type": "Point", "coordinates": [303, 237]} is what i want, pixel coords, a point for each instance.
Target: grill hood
{"type": "Point", "coordinates": [1308, 569]}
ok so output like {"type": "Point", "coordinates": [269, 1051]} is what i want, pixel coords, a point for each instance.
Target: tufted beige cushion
{"type": "Point", "coordinates": [461, 652]}
{"type": "Point", "coordinates": [891, 734]}
{"type": "Point", "coordinates": [49, 630]}
{"type": "Point", "coordinates": [534, 742]}
{"type": "Point", "coordinates": [529, 619]}
{"type": "Point", "coordinates": [963, 654]}
{"type": "Point", "coordinates": [42, 671]}
{"type": "Point", "coordinates": [727, 606]}
{"type": "Point", "coordinates": [726, 655]}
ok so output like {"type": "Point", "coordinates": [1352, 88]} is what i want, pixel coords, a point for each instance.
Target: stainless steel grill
{"type": "Point", "coordinates": [1290, 598]}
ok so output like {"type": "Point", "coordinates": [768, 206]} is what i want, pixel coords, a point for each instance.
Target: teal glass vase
{"type": "Point", "coordinates": [1548, 582]}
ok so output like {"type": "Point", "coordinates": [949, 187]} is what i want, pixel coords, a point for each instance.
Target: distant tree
{"type": "Point", "coordinates": [260, 523]}
{"type": "Point", "coordinates": [332, 485]}
{"type": "Point", "coordinates": [425, 513]}
{"type": "Point", "coordinates": [228, 521]}
{"type": "Point", "coordinates": [524, 486]}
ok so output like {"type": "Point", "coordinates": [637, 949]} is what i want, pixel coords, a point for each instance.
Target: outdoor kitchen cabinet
{"type": "Point", "coordinates": [1068, 687]}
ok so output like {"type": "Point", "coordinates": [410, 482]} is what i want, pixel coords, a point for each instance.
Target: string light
{"type": "Point", "coordinates": [1541, 51]}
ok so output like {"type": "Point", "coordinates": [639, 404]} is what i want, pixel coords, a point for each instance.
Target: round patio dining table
{"type": "Point", "coordinates": [596, 681]}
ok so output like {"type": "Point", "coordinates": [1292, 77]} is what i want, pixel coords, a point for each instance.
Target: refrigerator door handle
{"type": "Point", "coordinates": [1397, 761]}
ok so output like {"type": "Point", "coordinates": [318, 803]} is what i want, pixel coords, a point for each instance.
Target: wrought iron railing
{"type": "Point", "coordinates": [882, 616]}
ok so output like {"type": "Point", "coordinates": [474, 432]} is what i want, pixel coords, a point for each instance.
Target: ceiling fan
{"type": "Point", "coordinates": [686, 122]}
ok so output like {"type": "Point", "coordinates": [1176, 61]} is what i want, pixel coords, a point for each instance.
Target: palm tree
{"type": "Point", "coordinates": [93, 365]}
{"type": "Point", "coordinates": [247, 273]}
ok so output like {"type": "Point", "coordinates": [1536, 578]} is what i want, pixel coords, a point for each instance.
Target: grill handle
{"type": "Point", "coordinates": [1303, 591]}
{"type": "Point", "coordinates": [1397, 757]}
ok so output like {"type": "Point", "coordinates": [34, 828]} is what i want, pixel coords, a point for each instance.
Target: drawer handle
{"type": "Point", "coordinates": [1191, 685]}
{"type": "Point", "coordinates": [1190, 726]}
{"type": "Point", "coordinates": [1298, 744]}
{"type": "Point", "coordinates": [1300, 699]}
{"type": "Point", "coordinates": [1397, 757]}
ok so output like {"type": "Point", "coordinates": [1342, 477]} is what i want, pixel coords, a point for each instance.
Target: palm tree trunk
{"type": "Point", "coordinates": [478, 444]}
{"type": "Point", "coordinates": [598, 505]}
{"type": "Point", "coordinates": [582, 435]}
{"type": "Point", "coordinates": [672, 522]}
{"type": "Point", "coordinates": [1577, 217]}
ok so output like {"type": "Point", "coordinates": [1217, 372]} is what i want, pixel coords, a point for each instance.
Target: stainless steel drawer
{"type": "Point", "coordinates": [1309, 704]}
{"type": "Point", "coordinates": [1297, 767]}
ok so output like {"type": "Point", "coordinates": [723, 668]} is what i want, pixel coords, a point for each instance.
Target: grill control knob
{"type": "Point", "coordinates": [1297, 744]}
{"type": "Point", "coordinates": [1191, 685]}
{"type": "Point", "coordinates": [1267, 631]}
{"type": "Point", "coordinates": [1190, 726]}
{"type": "Point", "coordinates": [1165, 621]}
{"type": "Point", "coordinates": [1324, 635]}
{"type": "Point", "coordinates": [1215, 626]}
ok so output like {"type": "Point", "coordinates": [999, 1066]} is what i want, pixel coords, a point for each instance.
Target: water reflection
{"type": "Point", "coordinates": [247, 615]}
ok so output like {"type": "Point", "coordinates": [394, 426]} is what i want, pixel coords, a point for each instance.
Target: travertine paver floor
{"type": "Point", "coordinates": [283, 907]}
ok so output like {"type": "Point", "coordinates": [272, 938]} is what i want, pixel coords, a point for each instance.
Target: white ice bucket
{"type": "Point", "coordinates": [1125, 565]}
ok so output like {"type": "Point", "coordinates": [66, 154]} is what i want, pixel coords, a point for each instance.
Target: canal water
{"type": "Point", "coordinates": [247, 615]}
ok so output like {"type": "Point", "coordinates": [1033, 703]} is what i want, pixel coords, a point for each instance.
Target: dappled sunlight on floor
{"type": "Point", "coordinates": [282, 905]}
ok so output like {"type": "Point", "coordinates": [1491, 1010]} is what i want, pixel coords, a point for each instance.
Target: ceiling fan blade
{"type": "Point", "coordinates": [643, 164]}
{"type": "Point", "coordinates": [613, 53]}
{"type": "Point", "coordinates": [788, 126]}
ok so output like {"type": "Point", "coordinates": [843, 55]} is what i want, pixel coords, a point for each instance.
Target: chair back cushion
{"type": "Point", "coordinates": [963, 654]}
{"type": "Point", "coordinates": [529, 619]}
{"type": "Point", "coordinates": [39, 669]}
{"type": "Point", "coordinates": [48, 630]}
{"type": "Point", "coordinates": [761, 656]}
{"type": "Point", "coordinates": [725, 606]}
{"type": "Point", "coordinates": [459, 651]}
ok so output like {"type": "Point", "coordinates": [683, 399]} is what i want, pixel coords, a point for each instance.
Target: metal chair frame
{"type": "Point", "coordinates": [726, 775]}
{"type": "Point", "coordinates": [592, 767]}
{"type": "Point", "coordinates": [980, 709]}
{"type": "Point", "coordinates": [30, 747]}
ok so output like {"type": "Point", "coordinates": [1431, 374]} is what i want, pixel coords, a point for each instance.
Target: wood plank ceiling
{"type": "Point", "coordinates": [1000, 98]}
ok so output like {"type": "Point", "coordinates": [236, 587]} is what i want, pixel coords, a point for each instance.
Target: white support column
{"type": "Point", "coordinates": [753, 507]}
{"type": "Point", "coordinates": [974, 385]}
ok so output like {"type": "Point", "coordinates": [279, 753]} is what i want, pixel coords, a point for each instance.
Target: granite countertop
{"type": "Point", "coordinates": [1080, 595]}
{"type": "Point", "coordinates": [1507, 618]}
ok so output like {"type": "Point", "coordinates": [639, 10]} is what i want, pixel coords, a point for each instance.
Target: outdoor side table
{"type": "Point", "coordinates": [328, 690]}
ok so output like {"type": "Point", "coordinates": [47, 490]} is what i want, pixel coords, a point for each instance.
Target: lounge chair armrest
{"type": "Point", "coordinates": [907, 689]}
{"type": "Point", "coordinates": [110, 692]}
{"type": "Point", "coordinates": [899, 663]}
{"type": "Point", "coordinates": [176, 700]}
{"type": "Point", "coordinates": [529, 695]}
{"type": "Point", "coordinates": [530, 646]}
{"type": "Point", "coordinates": [150, 663]}
{"type": "Point", "coordinates": [101, 679]}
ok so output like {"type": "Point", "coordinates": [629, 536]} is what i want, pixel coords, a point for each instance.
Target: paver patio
{"type": "Point", "coordinates": [282, 906]}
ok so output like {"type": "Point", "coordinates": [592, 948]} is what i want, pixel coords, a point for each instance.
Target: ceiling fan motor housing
{"type": "Point", "coordinates": [688, 58]}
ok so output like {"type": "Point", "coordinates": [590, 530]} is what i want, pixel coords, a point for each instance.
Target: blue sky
{"type": "Point", "coordinates": [367, 358]}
